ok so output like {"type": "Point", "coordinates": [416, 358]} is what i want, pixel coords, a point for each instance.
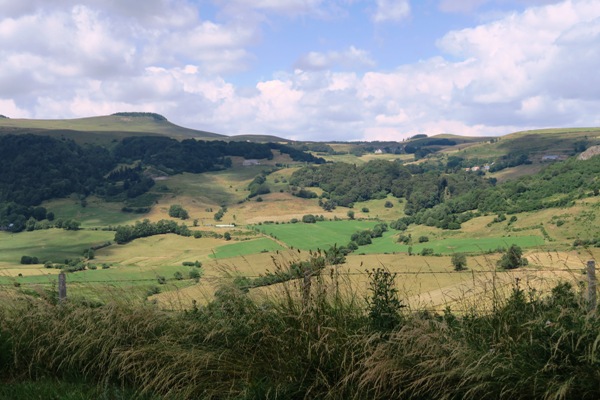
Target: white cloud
{"type": "Point", "coordinates": [525, 70]}
{"type": "Point", "coordinates": [9, 109]}
{"type": "Point", "coordinates": [391, 10]}
{"type": "Point", "coordinates": [351, 58]}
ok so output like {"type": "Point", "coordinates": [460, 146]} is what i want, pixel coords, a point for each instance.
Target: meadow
{"type": "Point", "coordinates": [320, 235]}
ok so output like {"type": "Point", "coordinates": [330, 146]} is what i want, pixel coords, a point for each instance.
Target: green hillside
{"type": "Point", "coordinates": [114, 126]}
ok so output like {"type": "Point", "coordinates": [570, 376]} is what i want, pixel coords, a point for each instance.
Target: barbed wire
{"type": "Point", "coordinates": [337, 273]}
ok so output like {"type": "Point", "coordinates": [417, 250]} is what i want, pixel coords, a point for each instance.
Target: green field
{"type": "Point", "coordinates": [97, 212]}
{"type": "Point", "coordinates": [387, 244]}
{"type": "Point", "coordinates": [321, 235]}
{"type": "Point", "coordinates": [246, 247]}
{"type": "Point", "coordinates": [51, 244]}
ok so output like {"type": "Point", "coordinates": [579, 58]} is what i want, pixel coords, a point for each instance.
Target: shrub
{"type": "Point", "coordinates": [309, 219]}
{"type": "Point", "coordinates": [177, 211]}
{"type": "Point", "coordinates": [383, 304]}
{"type": "Point", "coordinates": [423, 239]}
{"type": "Point", "coordinates": [459, 261]}
{"type": "Point", "coordinates": [427, 251]}
{"type": "Point", "coordinates": [152, 290]}
{"type": "Point", "coordinates": [194, 274]}
{"type": "Point", "coordinates": [512, 258]}
{"type": "Point", "coordinates": [29, 260]}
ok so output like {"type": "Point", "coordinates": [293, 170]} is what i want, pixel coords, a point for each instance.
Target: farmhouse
{"type": "Point", "coordinates": [225, 226]}
{"type": "Point", "coordinates": [251, 162]}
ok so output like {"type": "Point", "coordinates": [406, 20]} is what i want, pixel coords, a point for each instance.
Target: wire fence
{"type": "Point", "coordinates": [54, 278]}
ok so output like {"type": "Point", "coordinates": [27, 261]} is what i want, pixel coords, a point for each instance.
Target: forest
{"type": "Point", "coordinates": [38, 168]}
{"type": "Point", "coordinates": [436, 197]}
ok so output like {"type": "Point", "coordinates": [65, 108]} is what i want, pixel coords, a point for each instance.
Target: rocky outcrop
{"type": "Point", "coordinates": [589, 153]}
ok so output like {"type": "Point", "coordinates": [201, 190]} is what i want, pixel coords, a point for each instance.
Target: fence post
{"type": "Point", "coordinates": [62, 287]}
{"type": "Point", "coordinates": [306, 287]}
{"type": "Point", "coordinates": [591, 275]}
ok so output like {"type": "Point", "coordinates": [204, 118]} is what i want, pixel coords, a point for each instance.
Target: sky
{"type": "Point", "coordinates": [307, 69]}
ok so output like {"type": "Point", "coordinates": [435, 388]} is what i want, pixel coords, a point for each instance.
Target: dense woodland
{"type": "Point", "coordinates": [436, 197]}
{"type": "Point", "coordinates": [37, 168]}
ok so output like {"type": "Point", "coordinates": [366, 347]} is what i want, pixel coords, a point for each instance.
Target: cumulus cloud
{"type": "Point", "coordinates": [62, 59]}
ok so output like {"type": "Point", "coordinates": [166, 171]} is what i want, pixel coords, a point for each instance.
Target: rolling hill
{"type": "Point", "coordinates": [103, 128]}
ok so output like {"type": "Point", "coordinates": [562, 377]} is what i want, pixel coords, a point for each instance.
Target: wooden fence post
{"type": "Point", "coordinates": [62, 287]}
{"type": "Point", "coordinates": [306, 287]}
{"type": "Point", "coordinates": [591, 275]}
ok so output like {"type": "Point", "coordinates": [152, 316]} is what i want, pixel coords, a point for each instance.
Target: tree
{"type": "Point", "coordinates": [227, 236]}
{"type": "Point", "coordinates": [309, 219]}
{"type": "Point", "coordinates": [512, 258]}
{"type": "Point", "coordinates": [177, 211]}
{"type": "Point", "coordinates": [383, 303]}
{"type": "Point", "coordinates": [459, 261]}
{"type": "Point", "coordinates": [350, 214]}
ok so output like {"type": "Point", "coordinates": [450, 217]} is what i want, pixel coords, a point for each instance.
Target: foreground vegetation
{"type": "Point", "coordinates": [317, 340]}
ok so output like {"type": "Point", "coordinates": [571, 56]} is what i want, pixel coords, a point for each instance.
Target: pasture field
{"type": "Point", "coordinates": [320, 235]}
{"type": "Point", "coordinates": [422, 282]}
{"type": "Point", "coordinates": [246, 247]}
{"type": "Point", "coordinates": [353, 159]}
{"type": "Point", "coordinates": [97, 213]}
{"type": "Point", "coordinates": [51, 244]}
{"type": "Point", "coordinates": [386, 244]}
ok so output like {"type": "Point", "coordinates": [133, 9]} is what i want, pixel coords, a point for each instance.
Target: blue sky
{"type": "Point", "coordinates": [307, 69]}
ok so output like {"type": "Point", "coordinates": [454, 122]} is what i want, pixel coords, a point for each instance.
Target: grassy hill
{"type": "Point", "coordinates": [537, 144]}
{"type": "Point", "coordinates": [103, 128]}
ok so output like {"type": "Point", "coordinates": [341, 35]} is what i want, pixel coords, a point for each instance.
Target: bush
{"type": "Point", "coordinates": [29, 260]}
{"type": "Point", "coordinates": [309, 219]}
{"type": "Point", "coordinates": [194, 274]}
{"type": "Point", "coordinates": [383, 303]}
{"type": "Point", "coordinates": [177, 211]}
{"type": "Point", "coordinates": [152, 290]}
{"type": "Point", "coordinates": [459, 261]}
{"type": "Point", "coordinates": [512, 258]}
{"type": "Point", "coordinates": [388, 204]}
{"type": "Point", "coordinates": [423, 239]}
{"type": "Point", "coordinates": [365, 209]}
{"type": "Point", "coordinates": [427, 251]}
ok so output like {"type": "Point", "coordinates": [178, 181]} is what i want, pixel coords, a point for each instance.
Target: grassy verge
{"type": "Point", "coordinates": [317, 340]}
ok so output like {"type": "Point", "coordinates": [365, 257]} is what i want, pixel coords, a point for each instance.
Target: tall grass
{"type": "Point", "coordinates": [311, 341]}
